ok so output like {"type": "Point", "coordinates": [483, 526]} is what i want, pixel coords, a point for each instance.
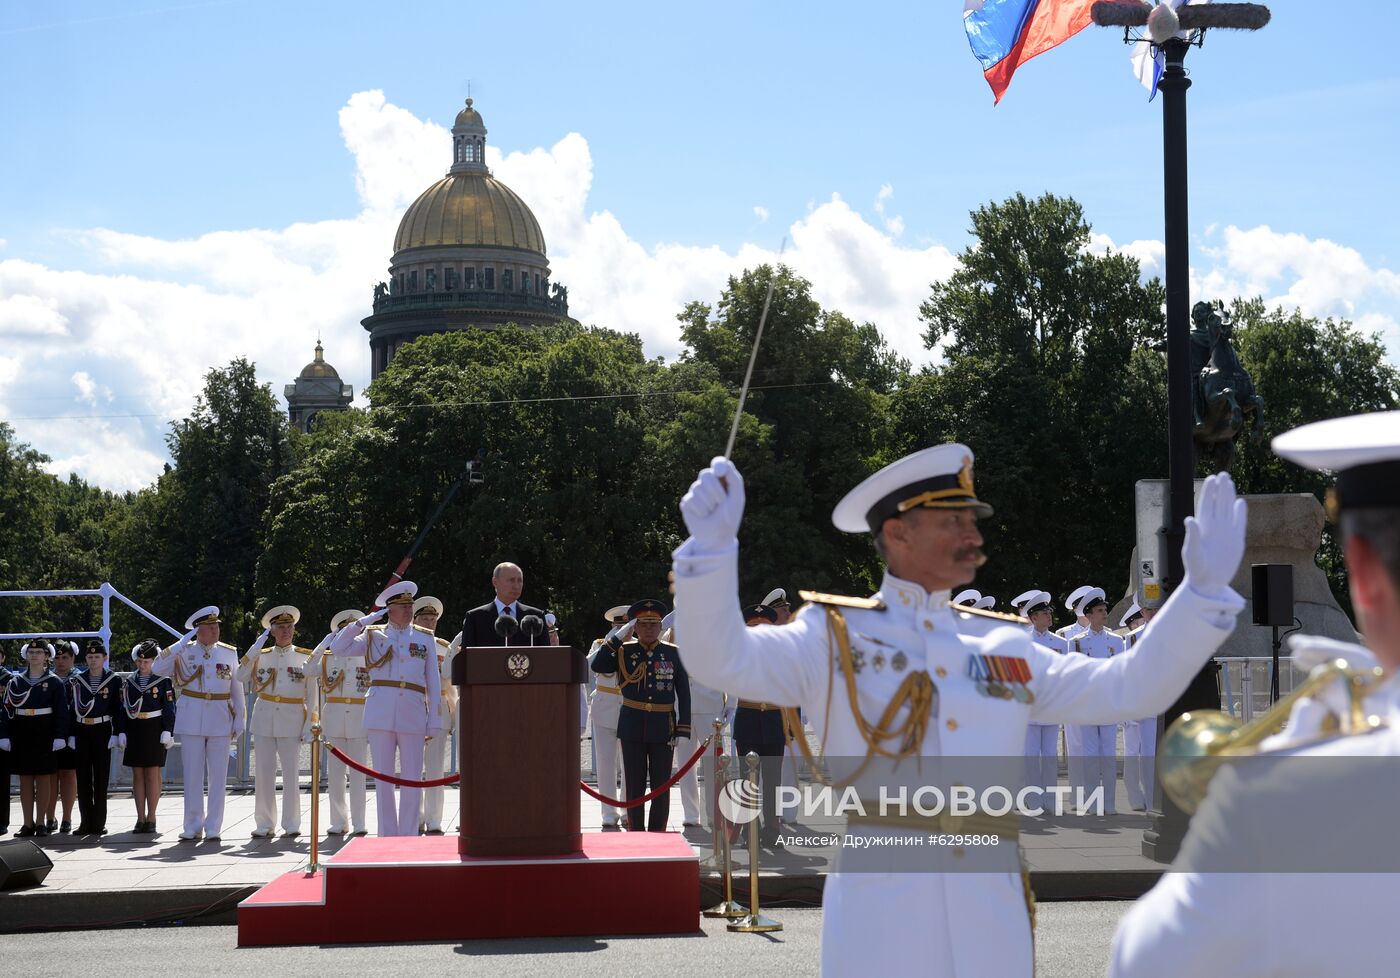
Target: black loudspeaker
{"type": "Point", "coordinates": [1273, 594]}
{"type": "Point", "coordinates": [22, 863]}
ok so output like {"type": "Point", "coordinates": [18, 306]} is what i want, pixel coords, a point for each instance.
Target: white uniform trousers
{"type": "Point", "coordinates": [1099, 763]}
{"type": "Point", "coordinates": [357, 749]}
{"type": "Point", "coordinates": [695, 811]}
{"type": "Point", "coordinates": [1139, 760]}
{"type": "Point", "coordinates": [607, 759]}
{"type": "Point", "coordinates": [435, 766]}
{"type": "Point", "coordinates": [866, 929]}
{"type": "Point", "coordinates": [1043, 754]}
{"type": "Point", "coordinates": [393, 753]}
{"type": "Point", "coordinates": [268, 752]}
{"type": "Point", "coordinates": [204, 757]}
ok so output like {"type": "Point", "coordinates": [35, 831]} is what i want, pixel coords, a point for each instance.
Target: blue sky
{"type": "Point", "coordinates": [217, 128]}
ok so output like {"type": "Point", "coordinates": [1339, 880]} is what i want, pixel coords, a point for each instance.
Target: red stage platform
{"type": "Point", "coordinates": [417, 888]}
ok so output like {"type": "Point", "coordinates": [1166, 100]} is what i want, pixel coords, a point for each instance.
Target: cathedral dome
{"type": "Point", "coordinates": [318, 369]}
{"type": "Point", "coordinates": [471, 209]}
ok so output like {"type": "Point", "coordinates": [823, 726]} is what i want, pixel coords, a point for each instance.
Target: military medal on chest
{"type": "Point", "coordinates": [1002, 677]}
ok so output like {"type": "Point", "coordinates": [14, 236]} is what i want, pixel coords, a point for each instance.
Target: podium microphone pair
{"type": "Point", "coordinates": [532, 626]}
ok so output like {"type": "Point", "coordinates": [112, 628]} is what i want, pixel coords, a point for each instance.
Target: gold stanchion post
{"type": "Point", "coordinates": [726, 908]}
{"type": "Point", "coordinates": [755, 922]}
{"type": "Point", "coordinates": [315, 792]}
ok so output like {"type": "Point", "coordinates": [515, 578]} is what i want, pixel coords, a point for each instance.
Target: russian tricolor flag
{"type": "Point", "coordinates": [1005, 34]}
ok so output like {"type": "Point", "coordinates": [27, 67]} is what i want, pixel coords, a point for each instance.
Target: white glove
{"type": "Point", "coordinates": [111, 741]}
{"type": "Point", "coordinates": [72, 743]}
{"type": "Point", "coordinates": [362, 623]}
{"type": "Point", "coordinates": [257, 647]}
{"type": "Point", "coordinates": [711, 510]}
{"type": "Point", "coordinates": [121, 741]}
{"type": "Point", "coordinates": [306, 734]}
{"type": "Point", "coordinates": [668, 622]}
{"type": "Point", "coordinates": [5, 744]}
{"type": "Point", "coordinates": [622, 632]}
{"type": "Point", "coordinates": [59, 744]}
{"type": "Point", "coordinates": [166, 738]}
{"type": "Point", "coordinates": [1214, 538]}
{"type": "Point", "coordinates": [1311, 651]}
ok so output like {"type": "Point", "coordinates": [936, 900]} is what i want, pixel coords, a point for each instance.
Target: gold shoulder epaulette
{"type": "Point", "coordinates": [224, 645]}
{"type": "Point", "coordinates": [374, 628]}
{"type": "Point", "coordinates": [302, 650]}
{"type": "Point", "coordinates": [841, 601]}
{"type": "Point", "coordinates": [989, 614]}
{"type": "Point", "coordinates": [442, 641]}
{"type": "Point", "coordinates": [420, 628]}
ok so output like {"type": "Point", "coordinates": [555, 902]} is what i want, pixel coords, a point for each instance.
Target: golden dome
{"type": "Point", "coordinates": [469, 209]}
{"type": "Point", "coordinates": [469, 117]}
{"type": "Point", "coordinates": [318, 368]}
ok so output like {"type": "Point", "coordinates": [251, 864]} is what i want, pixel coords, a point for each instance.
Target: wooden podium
{"type": "Point", "coordinates": [519, 749]}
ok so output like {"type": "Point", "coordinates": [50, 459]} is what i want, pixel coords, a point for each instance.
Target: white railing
{"type": "Point", "coordinates": [1245, 681]}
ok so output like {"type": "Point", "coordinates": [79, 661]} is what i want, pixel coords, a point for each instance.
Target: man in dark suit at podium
{"type": "Point", "coordinates": [479, 627]}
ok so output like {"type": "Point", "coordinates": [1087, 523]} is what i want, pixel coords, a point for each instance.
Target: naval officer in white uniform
{"type": "Point", "coordinates": [1302, 924]}
{"type": "Point", "coordinates": [281, 720]}
{"type": "Point", "coordinates": [1098, 741]}
{"type": "Point", "coordinates": [341, 683]}
{"type": "Point", "coordinates": [1042, 739]}
{"type": "Point", "coordinates": [426, 612]}
{"type": "Point", "coordinates": [922, 512]}
{"type": "Point", "coordinates": [603, 707]}
{"type": "Point", "coordinates": [208, 720]}
{"type": "Point", "coordinates": [401, 707]}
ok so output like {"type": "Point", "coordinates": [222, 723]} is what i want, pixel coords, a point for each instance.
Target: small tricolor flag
{"type": "Point", "coordinates": [1005, 34]}
{"type": "Point", "coordinates": [1148, 60]}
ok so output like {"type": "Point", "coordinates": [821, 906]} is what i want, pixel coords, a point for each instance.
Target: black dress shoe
{"type": "Point", "coordinates": [66, 828]}
{"type": "Point", "coordinates": [25, 832]}
{"type": "Point", "coordinates": [42, 830]}
{"type": "Point", "coordinates": [139, 829]}
{"type": "Point", "coordinates": [82, 829]}
{"type": "Point", "coordinates": [53, 824]}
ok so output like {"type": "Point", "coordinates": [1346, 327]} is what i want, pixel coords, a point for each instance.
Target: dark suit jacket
{"type": "Point", "coordinates": [479, 627]}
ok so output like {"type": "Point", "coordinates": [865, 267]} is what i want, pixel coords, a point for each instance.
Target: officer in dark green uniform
{"type": "Point", "coordinates": [655, 708]}
{"type": "Point", "coordinates": [758, 728]}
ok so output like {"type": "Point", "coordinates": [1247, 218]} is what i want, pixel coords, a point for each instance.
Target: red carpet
{"type": "Point", "coordinates": [417, 888]}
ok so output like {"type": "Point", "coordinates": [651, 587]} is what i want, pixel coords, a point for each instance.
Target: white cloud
{"type": "Point", "coordinates": [28, 316]}
{"type": "Point", "coordinates": [136, 337]}
{"type": "Point", "coordinates": [894, 224]}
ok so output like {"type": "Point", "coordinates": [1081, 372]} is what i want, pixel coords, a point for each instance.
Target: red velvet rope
{"type": "Point", "coordinates": [391, 779]}
{"type": "Point", "coordinates": [659, 791]}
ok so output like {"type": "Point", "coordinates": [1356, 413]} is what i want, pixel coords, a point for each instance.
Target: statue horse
{"type": "Point", "coordinates": [1226, 400]}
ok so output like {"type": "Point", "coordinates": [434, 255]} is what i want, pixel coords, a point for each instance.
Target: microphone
{"type": "Point", "coordinates": [507, 626]}
{"type": "Point", "coordinates": [532, 626]}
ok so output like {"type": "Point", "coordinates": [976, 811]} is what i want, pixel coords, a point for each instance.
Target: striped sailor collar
{"type": "Point", "coordinates": [909, 602]}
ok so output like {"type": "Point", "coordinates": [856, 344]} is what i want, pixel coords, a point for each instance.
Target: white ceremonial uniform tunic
{"type": "Point", "coordinates": [208, 717]}
{"type": "Point", "coordinates": [603, 706]}
{"type": "Point", "coordinates": [928, 923]}
{"type": "Point", "coordinates": [281, 713]}
{"type": "Point", "coordinates": [343, 682]}
{"type": "Point", "coordinates": [1278, 924]}
{"type": "Point", "coordinates": [706, 706]}
{"type": "Point", "coordinates": [435, 750]}
{"type": "Point", "coordinates": [1043, 739]}
{"type": "Point", "coordinates": [1139, 750]}
{"type": "Point", "coordinates": [404, 680]}
{"type": "Point", "coordinates": [1098, 743]}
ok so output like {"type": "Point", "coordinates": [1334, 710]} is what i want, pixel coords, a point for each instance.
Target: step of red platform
{"type": "Point", "coordinates": [417, 888]}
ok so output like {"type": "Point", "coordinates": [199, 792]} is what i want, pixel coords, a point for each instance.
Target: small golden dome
{"type": "Point", "coordinates": [469, 117]}
{"type": "Point", "coordinates": [469, 209]}
{"type": "Point", "coordinates": [318, 368]}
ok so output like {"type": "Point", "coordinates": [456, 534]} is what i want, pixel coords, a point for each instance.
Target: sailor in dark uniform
{"type": "Point", "coordinates": [144, 716]}
{"type": "Point", "coordinates": [33, 727]}
{"type": "Point", "coordinates": [96, 698]}
{"type": "Point", "coordinates": [65, 762]}
{"type": "Point", "coordinates": [655, 707]}
{"type": "Point", "coordinates": [759, 728]}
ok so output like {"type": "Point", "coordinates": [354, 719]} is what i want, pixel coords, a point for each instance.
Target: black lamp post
{"type": "Point", "coordinates": [1162, 839]}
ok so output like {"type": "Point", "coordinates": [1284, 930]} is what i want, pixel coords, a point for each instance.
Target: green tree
{"type": "Point", "coordinates": [1306, 369]}
{"type": "Point", "coordinates": [1051, 377]}
{"type": "Point", "coordinates": [194, 538]}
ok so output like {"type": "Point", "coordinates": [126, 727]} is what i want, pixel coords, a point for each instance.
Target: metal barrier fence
{"type": "Point", "coordinates": [1245, 681]}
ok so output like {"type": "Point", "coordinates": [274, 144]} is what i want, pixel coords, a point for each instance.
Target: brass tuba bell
{"type": "Point", "coordinates": [1197, 743]}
